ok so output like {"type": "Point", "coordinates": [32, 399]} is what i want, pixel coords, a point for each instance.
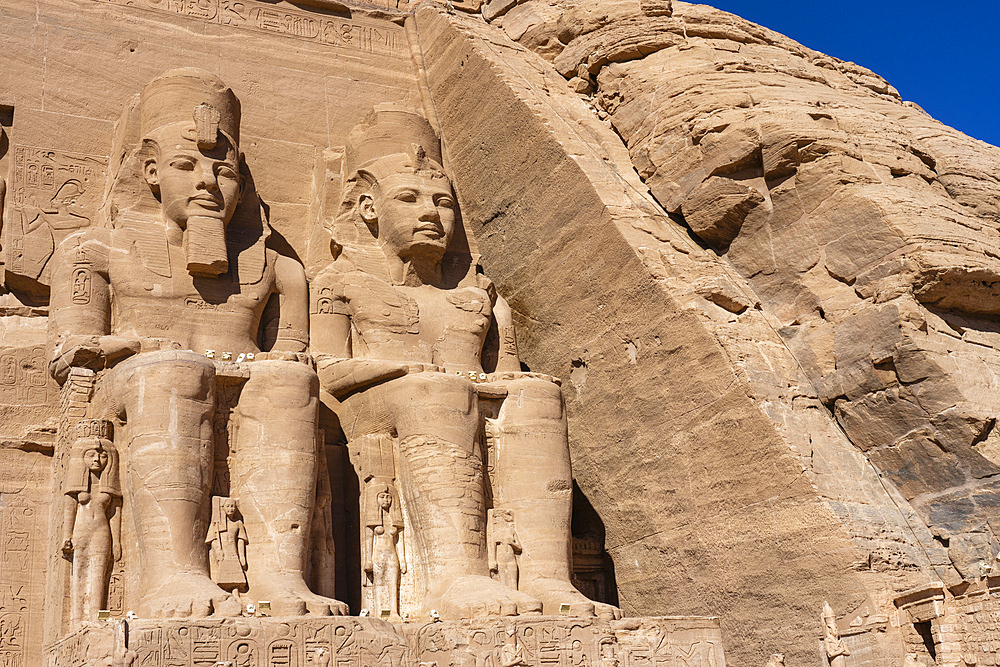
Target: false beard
{"type": "Point", "coordinates": [205, 247]}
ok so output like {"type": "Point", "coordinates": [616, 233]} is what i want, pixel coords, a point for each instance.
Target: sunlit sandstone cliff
{"type": "Point", "coordinates": [794, 275]}
{"type": "Point", "coordinates": [770, 286]}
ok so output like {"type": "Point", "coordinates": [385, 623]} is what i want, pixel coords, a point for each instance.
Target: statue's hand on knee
{"type": "Point", "coordinates": [283, 355]}
{"type": "Point", "coordinates": [341, 376]}
{"type": "Point", "coordinates": [99, 352]}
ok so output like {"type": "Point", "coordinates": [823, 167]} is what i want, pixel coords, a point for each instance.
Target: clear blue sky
{"type": "Point", "coordinates": [945, 56]}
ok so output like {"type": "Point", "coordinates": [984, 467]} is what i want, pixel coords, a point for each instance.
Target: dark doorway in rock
{"type": "Point", "coordinates": [593, 568]}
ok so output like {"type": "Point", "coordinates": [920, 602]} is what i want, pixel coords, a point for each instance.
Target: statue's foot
{"type": "Point", "coordinates": [473, 596]}
{"type": "Point", "coordinates": [289, 596]}
{"type": "Point", "coordinates": [184, 595]}
{"type": "Point", "coordinates": [555, 593]}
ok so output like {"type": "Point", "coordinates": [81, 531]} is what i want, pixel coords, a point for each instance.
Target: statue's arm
{"type": "Point", "coordinates": [368, 548]}
{"type": "Point", "coordinates": [507, 358]}
{"type": "Point", "coordinates": [116, 528]}
{"type": "Point", "coordinates": [80, 320]}
{"type": "Point", "coordinates": [293, 306]}
{"type": "Point", "coordinates": [401, 552]}
{"type": "Point", "coordinates": [241, 545]}
{"type": "Point", "coordinates": [491, 545]}
{"type": "Point", "coordinates": [70, 505]}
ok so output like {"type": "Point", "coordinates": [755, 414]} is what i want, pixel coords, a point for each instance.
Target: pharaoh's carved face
{"type": "Point", "coordinates": [95, 459]}
{"type": "Point", "coordinates": [414, 212]}
{"type": "Point", "coordinates": [228, 507]}
{"type": "Point", "coordinates": [192, 181]}
{"type": "Point", "coordinates": [385, 500]}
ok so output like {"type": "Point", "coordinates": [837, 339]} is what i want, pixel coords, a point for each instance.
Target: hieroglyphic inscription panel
{"type": "Point", "coordinates": [267, 642]}
{"type": "Point", "coordinates": [52, 193]}
{"type": "Point", "coordinates": [572, 642]}
{"type": "Point", "coordinates": [29, 397]}
{"type": "Point", "coordinates": [24, 498]}
{"type": "Point", "coordinates": [525, 641]}
{"type": "Point", "coordinates": [353, 34]}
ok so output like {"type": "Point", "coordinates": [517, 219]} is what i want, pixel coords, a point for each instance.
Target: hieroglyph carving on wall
{"type": "Point", "coordinates": [354, 34]}
{"type": "Point", "coordinates": [362, 642]}
{"type": "Point", "coordinates": [52, 193]}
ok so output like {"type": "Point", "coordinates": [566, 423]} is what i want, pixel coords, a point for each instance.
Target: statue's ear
{"type": "Point", "coordinates": [366, 205]}
{"type": "Point", "coordinates": [151, 173]}
{"type": "Point", "coordinates": [243, 174]}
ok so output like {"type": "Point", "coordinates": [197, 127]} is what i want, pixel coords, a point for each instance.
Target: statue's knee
{"type": "Point", "coordinates": [279, 384]}
{"type": "Point", "coordinates": [534, 398]}
{"type": "Point", "coordinates": [172, 374]}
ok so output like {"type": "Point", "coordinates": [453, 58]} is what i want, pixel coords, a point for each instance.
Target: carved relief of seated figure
{"type": "Point", "coordinates": [170, 270]}
{"type": "Point", "coordinates": [401, 322]}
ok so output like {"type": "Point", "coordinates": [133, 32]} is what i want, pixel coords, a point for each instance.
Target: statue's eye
{"type": "Point", "coordinates": [182, 163]}
{"type": "Point", "coordinates": [445, 201]}
{"type": "Point", "coordinates": [225, 171]}
{"type": "Point", "coordinates": [407, 196]}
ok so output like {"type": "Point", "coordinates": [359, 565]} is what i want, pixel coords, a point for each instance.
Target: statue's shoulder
{"type": "Point", "coordinates": [91, 245]}
{"type": "Point", "coordinates": [328, 290]}
{"type": "Point", "coordinates": [88, 236]}
{"type": "Point", "coordinates": [484, 283]}
{"type": "Point", "coordinates": [335, 275]}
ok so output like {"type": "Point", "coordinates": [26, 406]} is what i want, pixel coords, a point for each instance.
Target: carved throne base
{"type": "Point", "coordinates": [528, 641]}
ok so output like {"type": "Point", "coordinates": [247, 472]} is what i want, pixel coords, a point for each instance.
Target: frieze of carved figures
{"type": "Point", "coordinates": [92, 518]}
{"type": "Point", "coordinates": [379, 38]}
{"type": "Point", "coordinates": [403, 323]}
{"type": "Point", "coordinates": [181, 214]}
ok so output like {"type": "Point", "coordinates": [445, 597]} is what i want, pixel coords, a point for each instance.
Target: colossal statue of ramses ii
{"type": "Point", "coordinates": [175, 273]}
{"type": "Point", "coordinates": [402, 325]}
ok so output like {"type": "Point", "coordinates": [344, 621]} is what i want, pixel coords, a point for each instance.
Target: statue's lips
{"type": "Point", "coordinates": [430, 229]}
{"type": "Point", "coordinates": [208, 203]}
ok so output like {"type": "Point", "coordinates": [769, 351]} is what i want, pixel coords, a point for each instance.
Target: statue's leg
{"type": "Point", "coordinates": [436, 420]}
{"type": "Point", "coordinates": [97, 567]}
{"type": "Point", "coordinates": [168, 399]}
{"type": "Point", "coordinates": [274, 482]}
{"type": "Point", "coordinates": [533, 478]}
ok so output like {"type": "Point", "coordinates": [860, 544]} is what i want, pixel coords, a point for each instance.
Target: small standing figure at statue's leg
{"type": "Point", "coordinates": [503, 546]}
{"type": "Point", "coordinates": [227, 540]}
{"type": "Point", "coordinates": [92, 518]}
{"type": "Point", "coordinates": [385, 555]}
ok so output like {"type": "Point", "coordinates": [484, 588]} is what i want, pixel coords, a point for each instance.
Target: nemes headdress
{"type": "Point", "coordinates": [193, 96]}
{"type": "Point", "coordinates": [391, 132]}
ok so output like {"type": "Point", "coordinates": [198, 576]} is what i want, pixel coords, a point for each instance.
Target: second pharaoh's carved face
{"type": "Point", "coordinates": [192, 181]}
{"type": "Point", "coordinates": [415, 213]}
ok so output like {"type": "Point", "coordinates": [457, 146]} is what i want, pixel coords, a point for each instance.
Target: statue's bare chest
{"type": "Point", "coordinates": [443, 326]}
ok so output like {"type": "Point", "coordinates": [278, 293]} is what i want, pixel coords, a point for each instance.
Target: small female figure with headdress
{"type": "Point", "coordinates": [91, 520]}
{"type": "Point", "coordinates": [385, 554]}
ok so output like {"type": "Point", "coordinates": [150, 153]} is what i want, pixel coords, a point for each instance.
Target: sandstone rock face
{"type": "Point", "coordinates": [748, 290]}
